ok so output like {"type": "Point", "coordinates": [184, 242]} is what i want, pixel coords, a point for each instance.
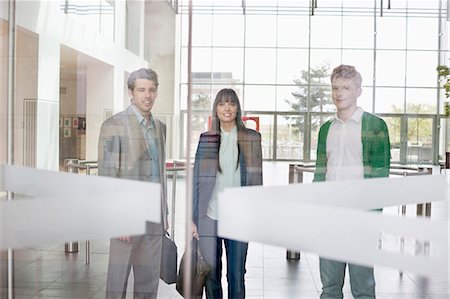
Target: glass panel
{"type": "Point", "coordinates": [420, 145]}
{"type": "Point", "coordinates": [201, 65]}
{"type": "Point", "coordinates": [266, 129]}
{"type": "Point", "coordinates": [285, 26]}
{"type": "Point", "coordinates": [326, 32]}
{"type": "Point", "coordinates": [387, 62]}
{"type": "Point", "coordinates": [421, 69]}
{"type": "Point", "coordinates": [391, 33]}
{"type": "Point", "coordinates": [443, 138]}
{"type": "Point", "coordinates": [228, 30]}
{"type": "Point", "coordinates": [229, 64]}
{"type": "Point", "coordinates": [357, 32]}
{"type": "Point", "coordinates": [255, 59]}
{"type": "Point", "coordinates": [201, 30]}
{"type": "Point", "coordinates": [423, 33]}
{"type": "Point", "coordinates": [420, 100]}
{"type": "Point", "coordinates": [290, 134]}
{"type": "Point", "coordinates": [200, 124]}
{"type": "Point", "coordinates": [325, 58]}
{"type": "Point", "coordinates": [259, 98]}
{"type": "Point", "coordinates": [362, 60]}
{"type": "Point", "coordinates": [286, 101]}
{"type": "Point", "coordinates": [394, 128]}
{"type": "Point", "coordinates": [290, 65]}
{"type": "Point", "coordinates": [365, 100]}
{"type": "Point", "coordinates": [389, 100]}
{"type": "Point", "coordinates": [320, 98]}
{"type": "Point", "coordinates": [260, 30]}
{"type": "Point", "coordinates": [316, 122]}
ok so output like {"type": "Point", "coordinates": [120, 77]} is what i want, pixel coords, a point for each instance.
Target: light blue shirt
{"type": "Point", "coordinates": [149, 131]}
{"type": "Point", "coordinates": [231, 174]}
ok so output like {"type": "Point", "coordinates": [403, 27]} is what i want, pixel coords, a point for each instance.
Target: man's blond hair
{"type": "Point", "coordinates": [346, 72]}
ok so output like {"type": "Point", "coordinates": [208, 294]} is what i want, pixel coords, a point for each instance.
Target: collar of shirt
{"type": "Point", "coordinates": [232, 132]}
{"type": "Point", "coordinates": [141, 118]}
{"type": "Point", "coordinates": [356, 117]}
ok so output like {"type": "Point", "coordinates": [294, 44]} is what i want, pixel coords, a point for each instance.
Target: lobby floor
{"type": "Point", "coordinates": [49, 272]}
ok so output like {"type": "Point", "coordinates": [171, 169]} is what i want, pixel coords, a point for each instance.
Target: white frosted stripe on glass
{"type": "Point", "coordinates": [38, 182]}
{"type": "Point", "coordinates": [359, 194]}
{"type": "Point", "coordinates": [60, 207]}
{"type": "Point", "coordinates": [281, 218]}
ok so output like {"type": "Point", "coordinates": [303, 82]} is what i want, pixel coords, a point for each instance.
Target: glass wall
{"type": "Point", "coordinates": [279, 57]}
{"type": "Point", "coordinates": [72, 61]}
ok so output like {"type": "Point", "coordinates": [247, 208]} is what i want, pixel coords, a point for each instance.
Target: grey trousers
{"type": "Point", "coordinates": [332, 274]}
{"type": "Point", "coordinates": [143, 254]}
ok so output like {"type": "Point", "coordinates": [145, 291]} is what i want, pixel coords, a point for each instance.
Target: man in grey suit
{"type": "Point", "coordinates": [132, 146]}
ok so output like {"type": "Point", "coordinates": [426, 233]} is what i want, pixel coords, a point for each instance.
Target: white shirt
{"type": "Point", "coordinates": [231, 171]}
{"type": "Point", "coordinates": [344, 149]}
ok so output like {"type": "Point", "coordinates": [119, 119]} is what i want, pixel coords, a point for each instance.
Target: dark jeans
{"type": "Point", "coordinates": [212, 249]}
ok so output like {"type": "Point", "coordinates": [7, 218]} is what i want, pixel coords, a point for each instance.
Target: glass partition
{"type": "Point", "coordinates": [85, 146]}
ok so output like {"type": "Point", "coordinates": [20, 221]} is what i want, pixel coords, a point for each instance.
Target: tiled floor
{"type": "Point", "coordinates": [50, 273]}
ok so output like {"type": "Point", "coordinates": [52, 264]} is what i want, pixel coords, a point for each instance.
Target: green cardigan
{"type": "Point", "coordinates": [375, 146]}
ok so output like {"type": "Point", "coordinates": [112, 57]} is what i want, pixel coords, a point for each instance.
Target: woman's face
{"type": "Point", "coordinates": [226, 112]}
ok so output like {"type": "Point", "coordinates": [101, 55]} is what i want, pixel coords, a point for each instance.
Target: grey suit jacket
{"type": "Point", "coordinates": [124, 153]}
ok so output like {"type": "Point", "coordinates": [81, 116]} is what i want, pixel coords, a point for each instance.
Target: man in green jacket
{"type": "Point", "coordinates": [352, 145]}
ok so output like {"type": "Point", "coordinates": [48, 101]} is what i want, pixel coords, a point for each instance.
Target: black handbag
{"type": "Point", "coordinates": [199, 270]}
{"type": "Point", "coordinates": [169, 256]}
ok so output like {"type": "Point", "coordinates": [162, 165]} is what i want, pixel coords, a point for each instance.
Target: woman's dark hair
{"type": "Point", "coordinates": [227, 95]}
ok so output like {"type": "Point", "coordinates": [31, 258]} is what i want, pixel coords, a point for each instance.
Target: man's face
{"type": "Point", "coordinates": [345, 93]}
{"type": "Point", "coordinates": [143, 95]}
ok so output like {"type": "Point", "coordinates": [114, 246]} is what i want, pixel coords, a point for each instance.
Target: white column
{"type": "Point", "coordinates": [47, 141]}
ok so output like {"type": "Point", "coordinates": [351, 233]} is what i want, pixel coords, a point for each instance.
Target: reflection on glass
{"type": "Point", "coordinates": [421, 100]}
{"type": "Point", "coordinates": [228, 30]}
{"type": "Point", "coordinates": [201, 63]}
{"type": "Point", "coordinates": [421, 68]}
{"type": "Point", "coordinates": [266, 130]}
{"type": "Point", "coordinates": [357, 33]}
{"type": "Point", "coordinates": [285, 37]}
{"type": "Point", "coordinates": [290, 134]}
{"type": "Point", "coordinates": [286, 98]}
{"type": "Point", "coordinates": [428, 29]}
{"type": "Point", "coordinates": [420, 146]}
{"type": "Point", "coordinates": [228, 65]}
{"type": "Point", "coordinates": [201, 30]}
{"type": "Point", "coordinates": [387, 38]}
{"type": "Point", "coordinates": [331, 58]}
{"type": "Point", "coordinates": [389, 100]}
{"type": "Point", "coordinates": [362, 60]}
{"type": "Point", "coordinates": [316, 121]}
{"type": "Point", "coordinates": [387, 61]}
{"type": "Point", "coordinates": [259, 98]}
{"type": "Point", "coordinates": [290, 65]}
{"type": "Point", "coordinates": [260, 66]}
{"type": "Point", "coordinates": [394, 128]}
{"type": "Point", "coordinates": [326, 32]}
{"type": "Point", "coordinates": [200, 123]}
{"type": "Point", "coordinates": [260, 30]}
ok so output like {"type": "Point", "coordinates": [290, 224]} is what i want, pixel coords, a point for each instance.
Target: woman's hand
{"type": "Point", "coordinates": [195, 231]}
